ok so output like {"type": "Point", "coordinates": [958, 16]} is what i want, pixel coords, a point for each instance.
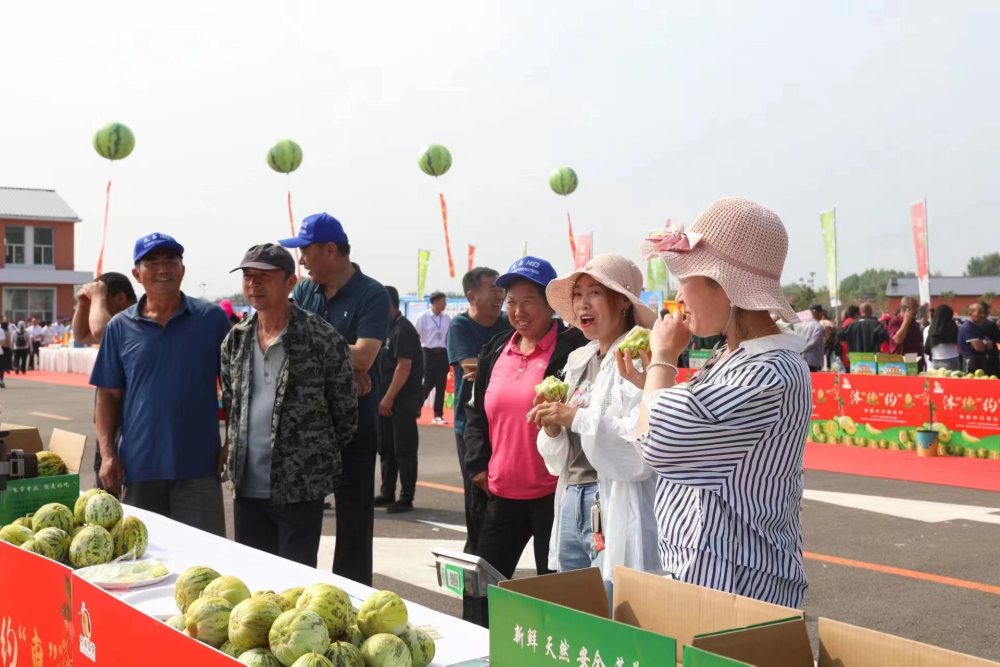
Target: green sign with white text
{"type": "Point", "coordinates": [525, 631]}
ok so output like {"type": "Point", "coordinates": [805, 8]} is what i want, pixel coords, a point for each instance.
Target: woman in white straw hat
{"type": "Point", "coordinates": [586, 440]}
{"type": "Point", "coordinates": [727, 446]}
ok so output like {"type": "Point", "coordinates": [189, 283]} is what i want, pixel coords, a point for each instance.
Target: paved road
{"type": "Point", "coordinates": [935, 580]}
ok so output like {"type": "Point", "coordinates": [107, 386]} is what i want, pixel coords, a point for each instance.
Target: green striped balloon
{"type": "Point", "coordinates": [563, 181]}
{"type": "Point", "coordinates": [114, 141]}
{"type": "Point", "coordinates": [285, 156]}
{"type": "Point", "coordinates": [435, 160]}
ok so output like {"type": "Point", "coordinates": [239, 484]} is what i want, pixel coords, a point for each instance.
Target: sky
{"type": "Point", "coordinates": [660, 107]}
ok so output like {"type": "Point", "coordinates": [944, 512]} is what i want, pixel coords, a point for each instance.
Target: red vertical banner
{"type": "Point", "coordinates": [584, 250]}
{"type": "Point", "coordinates": [572, 239]}
{"type": "Point", "coordinates": [918, 218]}
{"type": "Point", "coordinates": [447, 236]}
{"type": "Point", "coordinates": [472, 256]}
{"type": "Point", "coordinates": [291, 226]}
{"type": "Point", "coordinates": [104, 233]}
{"type": "Point", "coordinates": [36, 618]}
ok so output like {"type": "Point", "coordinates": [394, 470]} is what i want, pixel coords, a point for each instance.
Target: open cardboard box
{"type": "Point", "coordinates": [840, 645]}
{"type": "Point", "coordinates": [23, 496]}
{"type": "Point", "coordinates": [651, 615]}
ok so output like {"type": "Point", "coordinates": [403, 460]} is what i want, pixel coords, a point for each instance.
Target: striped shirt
{"type": "Point", "coordinates": [728, 449]}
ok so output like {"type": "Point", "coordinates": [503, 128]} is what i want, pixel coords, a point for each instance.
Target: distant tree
{"type": "Point", "coordinates": [988, 297]}
{"type": "Point", "coordinates": [947, 297]}
{"type": "Point", "coordinates": [986, 265]}
{"type": "Point", "coordinates": [869, 285]}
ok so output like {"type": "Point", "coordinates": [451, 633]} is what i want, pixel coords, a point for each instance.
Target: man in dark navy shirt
{"type": "Point", "coordinates": [156, 376]}
{"type": "Point", "coordinates": [358, 307]}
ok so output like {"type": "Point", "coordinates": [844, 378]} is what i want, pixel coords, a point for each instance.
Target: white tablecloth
{"type": "Point", "coordinates": [67, 359]}
{"type": "Point", "coordinates": [182, 546]}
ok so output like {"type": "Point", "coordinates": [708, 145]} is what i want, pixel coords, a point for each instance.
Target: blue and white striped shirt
{"type": "Point", "coordinates": [728, 449]}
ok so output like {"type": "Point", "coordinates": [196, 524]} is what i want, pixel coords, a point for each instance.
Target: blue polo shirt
{"type": "Point", "coordinates": [170, 413]}
{"type": "Point", "coordinates": [359, 309]}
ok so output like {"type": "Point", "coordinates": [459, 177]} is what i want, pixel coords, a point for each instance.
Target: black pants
{"type": "Point", "coordinates": [436, 376]}
{"type": "Point", "coordinates": [355, 500]}
{"type": "Point", "coordinates": [196, 502]}
{"type": "Point", "coordinates": [475, 502]}
{"type": "Point", "coordinates": [290, 530]}
{"type": "Point", "coordinates": [506, 529]}
{"type": "Point", "coordinates": [398, 441]}
{"type": "Point", "coordinates": [33, 361]}
{"type": "Point", "coordinates": [21, 361]}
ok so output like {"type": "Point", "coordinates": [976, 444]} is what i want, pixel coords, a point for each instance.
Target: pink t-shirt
{"type": "Point", "coordinates": [516, 468]}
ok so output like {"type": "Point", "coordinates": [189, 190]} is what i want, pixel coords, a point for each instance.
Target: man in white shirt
{"type": "Point", "coordinates": [433, 327]}
{"type": "Point", "coordinates": [36, 332]}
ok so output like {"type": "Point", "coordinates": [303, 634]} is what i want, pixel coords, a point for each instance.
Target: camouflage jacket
{"type": "Point", "coordinates": [315, 409]}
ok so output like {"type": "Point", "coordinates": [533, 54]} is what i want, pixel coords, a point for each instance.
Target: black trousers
{"type": "Point", "coordinates": [436, 376]}
{"type": "Point", "coordinates": [398, 441]}
{"type": "Point", "coordinates": [506, 529]}
{"type": "Point", "coordinates": [21, 361]}
{"type": "Point", "coordinates": [475, 502]}
{"type": "Point", "coordinates": [289, 530]}
{"type": "Point", "coordinates": [33, 361]}
{"type": "Point", "coordinates": [355, 501]}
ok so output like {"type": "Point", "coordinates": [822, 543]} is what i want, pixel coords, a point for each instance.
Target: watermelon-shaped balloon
{"type": "Point", "coordinates": [114, 141]}
{"type": "Point", "coordinates": [563, 181]}
{"type": "Point", "coordinates": [435, 160]}
{"type": "Point", "coordinates": [285, 156]}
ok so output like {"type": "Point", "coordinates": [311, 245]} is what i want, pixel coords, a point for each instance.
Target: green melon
{"type": "Point", "coordinates": [435, 160]}
{"type": "Point", "coordinates": [312, 660]}
{"type": "Point", "coordinates": [331, 603]}
{"type": "Point", "coordinates": [285, 156]}
{"type": "Point", "coordinates": [57, 539]}
{"type": "Point", "coordinates": [190, 583]}
{"type": "Point", "coordinates": [16, 534]}
{"type": "Point", "coordinates": [114, 141]}
{"type": "Point", "coordinates": [297, 632]}
{"type": "Point", "coordinates": [382, 612]}
{"type": "Point", "coordinates": [23, 521]}
{"type": "Point", "coordinates": [91, 546]}
{"type": "Point", "coordinates": [250, 622]}
{"type": "Point", "coordinates": [259, 657]}
{"type": "Point", "coordinates": [39, 547]}
{"type": "Point", "coordinates": [81, 504]}
{"type": "Point", "coordinates": [292, 594]}
{"type": "Point", "coordinates": [282, 602]}
{"type": "Point", "coordinates": [53, 515]}
{"type": "Point", "coordinates": [230, 650]}
{"type": "Point", "coordinates": [177, 622]}
{"type": "Point", "coordinates": [130, 536]}
{"type": "Point", "coordinates": [103, 510]}
{"type": "Point", "coordinates": [386, 650]}
{"type": "Point", "coordinates": [50, 464]}
{"type": "Point", "coordinates": [208, 620]}
{"type": "Point", "coordinates": [228, 587]}
{"type": "Point", "coordinates": [421, 646]}
{"type": "Point", "coordinates": [563, 181]}
{"type": "Point", "coordinates": [344, 654]}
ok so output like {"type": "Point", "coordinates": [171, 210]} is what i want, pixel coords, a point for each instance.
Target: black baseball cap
{"type": "Point", "coordinates": [267, 257]}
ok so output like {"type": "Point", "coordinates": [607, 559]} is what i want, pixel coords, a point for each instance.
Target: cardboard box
{"type": "Point", "coordinates": [652, 616]}
{"type": "Point", "coordinates": [22, 437]}
{"type": "Point", "coordinates": [895, 364]}
{"type": "Point", "coordinates": [840, 645]}
{"type": "Point", "coordinates": [863, 363]}
{"type": "Point", "coordinates": [24, 496]}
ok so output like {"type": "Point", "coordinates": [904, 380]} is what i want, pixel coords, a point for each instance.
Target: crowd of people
{"type": "Point", "coordinates": [942, 341]}
{"type": "Point", "coordinates": [21, 342]}
{"type": "Point", "coordinates": [700, 481]}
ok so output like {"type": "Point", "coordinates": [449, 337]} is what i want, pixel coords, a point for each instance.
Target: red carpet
{"type": "Point", "coordinates": [65, 379]}
{"type": "Point", "coordinates": [887, 464]}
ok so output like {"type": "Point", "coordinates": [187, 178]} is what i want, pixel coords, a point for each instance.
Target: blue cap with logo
{"type": "Point", "coordinates": [155, 241]}
{"type": "Point", "coordinates": [318, 228]}
{"type": "Point", "coordinates": [535, 269]}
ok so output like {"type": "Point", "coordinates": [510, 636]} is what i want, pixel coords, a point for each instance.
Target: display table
{"type": "Point", "coordinates": [182, 546]}
{"type": "Point", "coordinates": [79, 360]}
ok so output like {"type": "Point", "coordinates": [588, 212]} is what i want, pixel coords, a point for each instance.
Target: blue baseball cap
{"type": "Point", "coordinates": [317, 228]}
{"type": "Point", "coordinates": [155, 241]}
{"type": "Point", "coordinates": [535, 269]}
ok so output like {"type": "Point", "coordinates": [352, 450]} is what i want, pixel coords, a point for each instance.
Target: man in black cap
{"type": "Point", "coordinates": [358, 307]}
{"type": "Point", "coordinates": [288, 386]}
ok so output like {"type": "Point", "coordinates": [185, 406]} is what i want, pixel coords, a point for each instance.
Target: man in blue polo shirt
{"type": "Point", "coordinates": [358, 307]}
{"type": "Point", "coordinates": [156, 375]}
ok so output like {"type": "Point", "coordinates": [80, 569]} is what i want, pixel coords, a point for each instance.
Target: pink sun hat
{"type": "Point", "coordinates": [737, 243]}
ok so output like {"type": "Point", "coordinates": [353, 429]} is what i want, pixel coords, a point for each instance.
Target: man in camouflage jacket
{"type": "Point", "coordinates": [288, 387]}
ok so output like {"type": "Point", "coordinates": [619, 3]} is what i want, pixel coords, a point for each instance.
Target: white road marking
{"type": "Point", "coordinates": [917, 510]}
{"type": "Point", "coordinates": [447, 526]}
{"type": "Point", "coordinates": [50, 416]}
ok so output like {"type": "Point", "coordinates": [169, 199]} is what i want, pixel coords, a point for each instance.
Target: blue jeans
{"type": "Point", "coordinates": [576, 535]}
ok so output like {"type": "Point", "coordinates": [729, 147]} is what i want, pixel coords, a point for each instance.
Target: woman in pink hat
{"type": "Point", "coordinates": [585, 440]}
{"type": "Point", "coordinates": [727, 446]}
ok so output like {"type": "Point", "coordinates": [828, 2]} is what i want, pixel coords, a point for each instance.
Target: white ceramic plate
{"type": "Point", "coordinates": [94, 570]}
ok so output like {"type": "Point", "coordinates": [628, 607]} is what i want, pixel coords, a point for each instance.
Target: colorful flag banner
{"type": "Point", "coordinates": [572, 240]}
{"type": "Point", "coordinates": [584, 250]}
{"type": "Point", "coordinates": [472, 256]}
{"type": "Point", "coordinates": [104, 233]}
{"type": "Point", "coordinates": [291, 226]}
{"type": "Point", "coordinates": [423, 259]}
{"type": "Point", "coordinates": [447, 237]}
{"type": "Point", "coordinates": [828, 222]}
{"type": "Point", "coordinates": [918, 217]}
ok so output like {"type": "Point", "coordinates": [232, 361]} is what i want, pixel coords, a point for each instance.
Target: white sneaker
{"type": "Point", "coordinates": [439, 421]}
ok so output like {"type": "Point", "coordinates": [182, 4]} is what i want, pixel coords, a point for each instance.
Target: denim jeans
{"type": "Point", "coordinates": [576, 535]}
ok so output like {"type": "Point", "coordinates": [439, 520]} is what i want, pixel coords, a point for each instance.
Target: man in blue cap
{"type": "Point", "coordinates": [156, 376]}
{"type": "Point", "coordinates": [358, 307]}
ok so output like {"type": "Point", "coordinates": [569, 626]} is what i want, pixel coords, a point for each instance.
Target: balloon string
{"type": "Point", "coordinates": [291, 226]}
{"type": "Point", "coordinates": [447, 238]}
{"type": "Point", "coordinates": [104, 233]}
{"type": "Point", "coordinates": [572, 239]}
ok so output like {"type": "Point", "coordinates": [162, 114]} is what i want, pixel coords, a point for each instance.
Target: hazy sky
{"type": "Point", "coordinates": [661, 108]}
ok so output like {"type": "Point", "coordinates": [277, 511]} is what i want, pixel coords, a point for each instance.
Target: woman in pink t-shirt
{"type": "Point", "coordinates": [502, 456]}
